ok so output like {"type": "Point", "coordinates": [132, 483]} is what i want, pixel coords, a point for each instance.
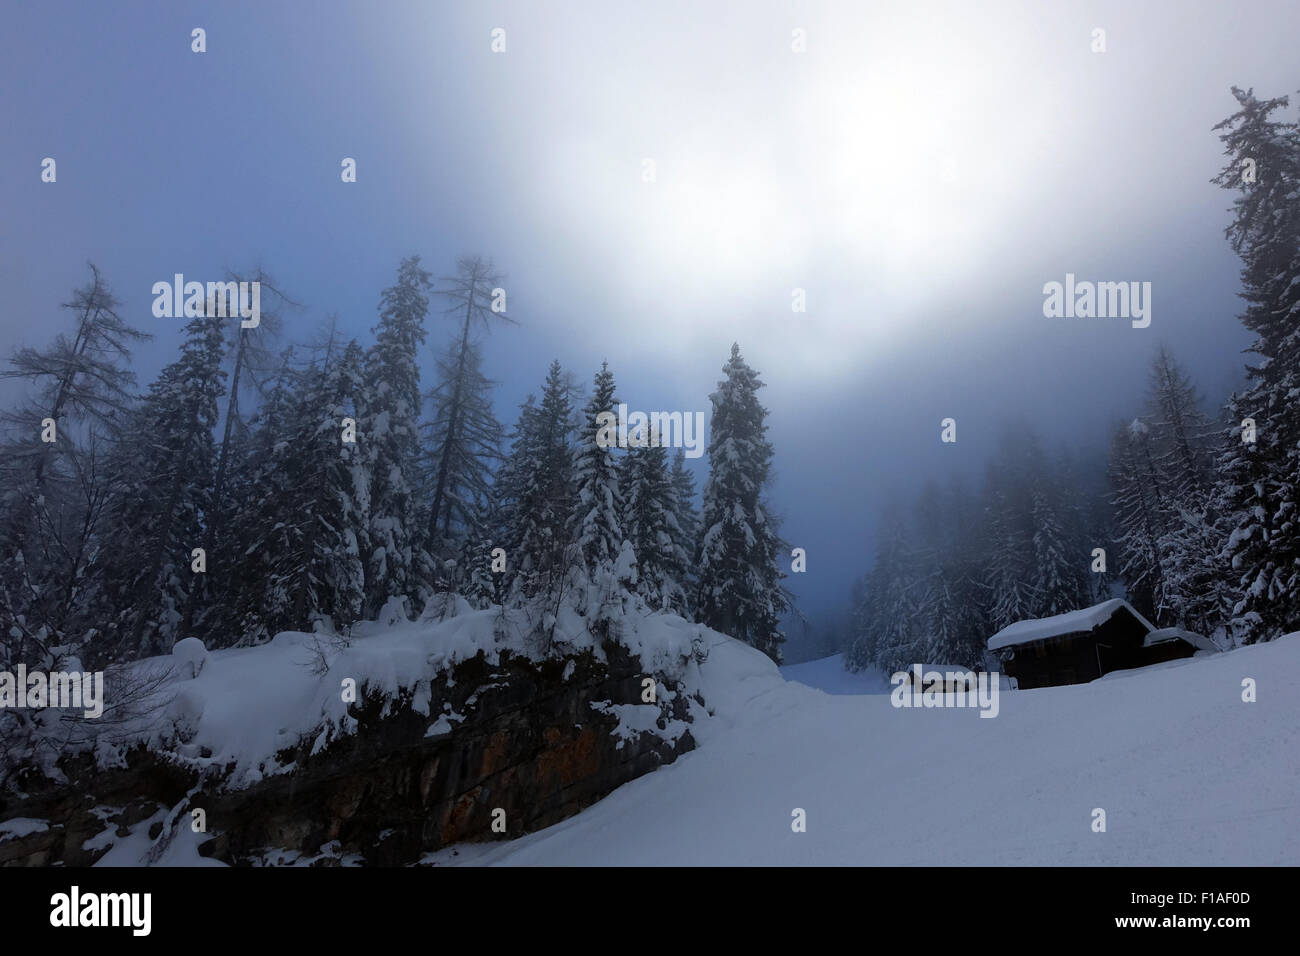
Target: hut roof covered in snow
{"type": "Point", "coordinates": [1072, 622]}
{"type": "Point", "coordinates": [1178, 634]}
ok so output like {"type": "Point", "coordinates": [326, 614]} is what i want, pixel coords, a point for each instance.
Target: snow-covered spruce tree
{"type": "Point", "coordinates": [961, 634]}
{"type": "Point", "coordinates": [1199, 589]}
{"type": "Point", "coordinates": [1081, 501]}
{"type": "Point", "coordinates": [939, 637]}
{"type": "Point", "coordinates": [595, 524]}
{"type": "Point", "coordinates": [1097, 524]}
{"type": "Point", "coordinates": [539, 483]}
{"type": "Point", "coordinates": [1141, 518]}
{"type": "Point", "coordinates": [1011, 593]}
{"type": "Point", "coordinates": [504, 514]}
{"type": "Point", "coordinates": [687, 529]}
{"type": "Point", "coordinates": [389, 407]}
{"type": "Point", "coordinates": [261, 529]}
{"type": "Point", "coordinates": [475, 579]}
{"type": "Point", "coordinates": [888, 637]}
{"type": "Point", "coordinates": [950, 620]}
{"type": "Point", "coordinates": [1009, 574]}
{"type": "Point", "coordinates": [1259, 482]}
{"type": "Point", "coordinates": [739, 591]}
{"type": "Point", "coordinates": [309, 516]}
{"type": "Point", "coordinates": [250, 353]}
{"type": "Point", "coordinates": [462, 440]}
{"type": "Point", "coordinates": [859, 644]}
{"type": "Point", "coordinates": [1059, 565]}
{"type": "Point", "coordinates": [650, 520]}
{"type": "Point", "coordinates": [1181, 433]}
{"type": "Point", "coordinates": [329, 581]}
{"type": "Point", "coordinates": [932, 538]}
{"type": "Point", "coordinates": [163, 468]}
{"type": "Point", "coordinates": [969, 556]}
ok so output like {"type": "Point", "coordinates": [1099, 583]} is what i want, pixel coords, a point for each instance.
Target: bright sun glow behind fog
{"type": "Point", "coordinates": [874, 171]}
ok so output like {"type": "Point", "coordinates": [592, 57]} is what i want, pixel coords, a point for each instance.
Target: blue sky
{"type": "Point", "coordinates": [921, 170]}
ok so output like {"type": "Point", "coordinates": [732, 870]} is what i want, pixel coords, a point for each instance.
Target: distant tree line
{"type": "Point", "coordinates": [1200, 523]}
{"type": "Point", "coordinates": [253, 489]}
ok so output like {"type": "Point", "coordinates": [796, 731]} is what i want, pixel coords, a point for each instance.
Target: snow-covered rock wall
{"type": "Point", "coordinates": [408, 738]}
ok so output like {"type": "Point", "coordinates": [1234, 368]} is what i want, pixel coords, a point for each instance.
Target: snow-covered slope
{"type": "Point", "coordinates": [1187, 773]}
{"type": "Point", "coordinates": [830, 675]}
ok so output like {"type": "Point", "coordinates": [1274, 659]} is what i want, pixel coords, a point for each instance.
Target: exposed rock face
{"type": "Point", "coordinates": [529, 752]}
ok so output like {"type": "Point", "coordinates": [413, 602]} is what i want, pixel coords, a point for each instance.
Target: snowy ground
{"type": "Point", "coordinates": [1187, 773]}
{"type": "Point", "coordinates": [828, 674]}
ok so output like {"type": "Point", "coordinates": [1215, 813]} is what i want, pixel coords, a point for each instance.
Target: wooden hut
{"type": "Point", "coordinates": [1080, 646]}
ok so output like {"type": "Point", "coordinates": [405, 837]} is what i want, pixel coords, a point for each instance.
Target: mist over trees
{"type": "Point", "coordinates": [967, 563]}
{"type": "Point", "coordinates": [1197, 523]}
{"type": "Point", "coordinates": [257, 487]}
{"type": "Point", "coordinates": [739, 589]}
